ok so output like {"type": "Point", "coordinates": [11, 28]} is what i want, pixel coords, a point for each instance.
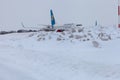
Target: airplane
{"type": "Point", "coordinates": [54, 27]}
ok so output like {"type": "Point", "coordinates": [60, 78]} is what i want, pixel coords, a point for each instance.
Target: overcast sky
{"type": "Point", "coordinates": [33, 12]}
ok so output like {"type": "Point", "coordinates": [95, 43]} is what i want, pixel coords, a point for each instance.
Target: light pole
{"type": "Point", "coordinates": [118, 13]}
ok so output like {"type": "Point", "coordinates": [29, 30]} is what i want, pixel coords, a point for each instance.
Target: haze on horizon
{"type": "Point", "coordinates": [33, 12]}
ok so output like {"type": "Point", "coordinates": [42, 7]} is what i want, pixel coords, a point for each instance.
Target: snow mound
{"type": "Point", "coordinates": [71, 55]}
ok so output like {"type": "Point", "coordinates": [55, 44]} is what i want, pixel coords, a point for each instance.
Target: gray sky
{"type": "Point", "coordinates": [33, 12]}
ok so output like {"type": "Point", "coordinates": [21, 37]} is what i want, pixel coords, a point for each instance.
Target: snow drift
{"type": "Point", "coordinates": [90, 54]}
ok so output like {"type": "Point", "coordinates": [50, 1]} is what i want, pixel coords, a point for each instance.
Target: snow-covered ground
{"type": "Point", "coordinates": [61, 56]}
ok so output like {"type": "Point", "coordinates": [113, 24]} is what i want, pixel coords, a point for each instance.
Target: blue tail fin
{"type": "Point", "coordinates": [52, 19]}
